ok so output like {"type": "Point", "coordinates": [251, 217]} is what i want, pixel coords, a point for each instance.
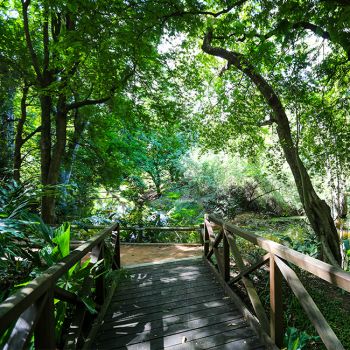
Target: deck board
{"type": "Point", "coordinates": [175, 305]}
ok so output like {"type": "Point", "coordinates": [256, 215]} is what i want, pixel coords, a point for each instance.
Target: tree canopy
{"type": "Point", "coordinates": [94, 93]}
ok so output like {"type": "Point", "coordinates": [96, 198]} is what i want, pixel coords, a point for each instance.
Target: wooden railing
{"type": "Point", "coordinates": [216, 231]}
{"type": "Point", "coordinates": [31, 310]}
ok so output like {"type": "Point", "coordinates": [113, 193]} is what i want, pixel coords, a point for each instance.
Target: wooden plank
{"type": "Point", "coordinates": [157, 320]}
{"type": "Point", "coordinates": [315, 316]}
{"type": "Point", "coordinates": [276, 304]}
{"type": "Point", "coordinates": [251, 319]}
{"type": "Point", "coordinates": [246, 271]}
{"type": "Point", "coordinates": [161, 341]}
{"type": "Point", "coordinates": [179, 272]}
{"type": "Point", "coordinates": [327, 272]}
{"type": "Point", "coordinates": [189, 304]}
{"type": "Point", "coordinates": [129, 290]}
{"type": "Point", "coordinates": [210, 306]}
{"type": "Point", "coordinates": [169, 301]}
{"type": "Point", "coordinates": [252, 293]}
{"type": "Point", "coordinates": [165, 265]}
{"type": "Point", "coordinates": [165, 290]}
{"type": "Point", "coordinates": [165, 270]}
{"type": "Point", "coordinates": [239, 340]}
{"type": "Point", "coordinates": [120, 338]}
{"type": "Point", "coordinates": [12, 307]}
{"type": "Point", "coordinates": [189, 278]}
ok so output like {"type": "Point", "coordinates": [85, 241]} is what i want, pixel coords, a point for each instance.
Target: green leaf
{"type": "Point", "coordinates": [62, 239]}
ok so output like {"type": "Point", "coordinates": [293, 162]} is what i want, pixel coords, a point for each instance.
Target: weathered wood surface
{"type": "Point", "coordinates": [175, 305]}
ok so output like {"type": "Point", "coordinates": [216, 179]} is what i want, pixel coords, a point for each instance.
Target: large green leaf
{"type": "Point", "coordinates": [62, 239]}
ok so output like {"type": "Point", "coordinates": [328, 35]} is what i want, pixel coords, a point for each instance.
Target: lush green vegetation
{"type": "Point", "coordinates": [154, 113]}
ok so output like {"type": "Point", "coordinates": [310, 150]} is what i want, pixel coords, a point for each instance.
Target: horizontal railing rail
{"type": "Point", "coordinates": [31, 309]}
{"type": "Point", "coordinates": [278, 257]}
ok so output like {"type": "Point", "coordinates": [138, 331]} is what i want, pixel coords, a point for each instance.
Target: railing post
{"type": "Point", "coordinates": [44, 333]}
{"type": "Point", "coordinates": [201, 232]}
{"type": "Point", "coordinates": [206, 240]}
{"type": "Point", "coordinates": [100, 280]}
{"type": "Point", "coordinates": [226, 250]}
{"type": "Point", "coordinates": [276, 303]}
{"type": "Point", "coordinates": [116, 251]}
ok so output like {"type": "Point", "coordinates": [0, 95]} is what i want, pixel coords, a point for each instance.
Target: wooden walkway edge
{"type": "Point", "coordinates": [173, 305]}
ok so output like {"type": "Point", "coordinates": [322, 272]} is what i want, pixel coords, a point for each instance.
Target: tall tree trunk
{"type": "Point", "coordinates": [73, 147]}
{"type": "Point", "coordinates": [47, 204]}
{"type": "Point", "coordinates": [6, 132]}
{"type": "Point", "coordinates": [17, 156]}
{"type": "Point", "coordinates": [52, 171]}
{"type": "Point", "coordinates": [316, 209]}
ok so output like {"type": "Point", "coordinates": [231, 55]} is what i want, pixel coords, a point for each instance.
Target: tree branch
{"type": "Point", "coordinates": [35, 62]}
{"type": "Point", "coordinates": [29, 136]}
{"type": "Point", "coordinates": [314, 28]}
{"type": "Point", "coordinates": [267, 122]}
{"type": "Point", "coordinates": [87, 102]}
{"type": "Point", "coordinates": [46, 39]}
{"type": "Point", "coordinates": [128, 74]}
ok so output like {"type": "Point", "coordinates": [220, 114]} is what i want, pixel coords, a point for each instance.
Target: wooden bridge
{"type": "Point", "coordinates": [184, 304]}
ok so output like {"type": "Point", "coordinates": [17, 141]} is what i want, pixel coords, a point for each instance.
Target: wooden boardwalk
{"type": "Point", "coordinates": [174, 305]}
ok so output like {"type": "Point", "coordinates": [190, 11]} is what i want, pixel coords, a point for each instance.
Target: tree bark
{"type": "Point", "coordinates": [17, 156]}
{"type": "Point", "coordinates": [6, 133]}
{"type": "Point", "coordinates": [72, 148]}
{"type": "Point", "coordinates": [316, 209]}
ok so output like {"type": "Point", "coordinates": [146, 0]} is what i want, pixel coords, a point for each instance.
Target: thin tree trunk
{"type": "Point", "coordinates": [316, 209]}
{"type": "Point", "coordinates": [47, 202]}
{"type": "Point", "coordinates": [17, 157]}
{"type": "Point", "coordinates": [6, 133]}
{"type": "Point", "coordinates": [72, 150]}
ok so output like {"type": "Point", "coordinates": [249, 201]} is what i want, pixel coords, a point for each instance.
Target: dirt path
{"type": "Point", "coordinates": [131, 254]}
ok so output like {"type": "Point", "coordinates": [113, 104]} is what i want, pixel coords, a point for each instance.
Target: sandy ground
{"type": "Point", "coordinates": [138, 254]}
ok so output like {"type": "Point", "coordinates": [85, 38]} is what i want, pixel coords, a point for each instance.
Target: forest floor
{"type": "Point", "coordinates": [132, 254]}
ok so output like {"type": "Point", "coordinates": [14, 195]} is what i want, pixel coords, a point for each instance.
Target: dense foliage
{"type": "Point", "coordinates": [155, 112]}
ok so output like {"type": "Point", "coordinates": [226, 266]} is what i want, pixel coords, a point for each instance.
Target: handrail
{"type": "Point", "coordinates": [43, 287]}
{"type": "Point", "coordinates": [278, 257]}
{"type": "Point", "coordinates": [327, 272]}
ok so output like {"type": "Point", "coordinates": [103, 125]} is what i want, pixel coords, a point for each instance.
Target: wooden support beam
{"type": "Point", "coordinates": [44, 333]}
{"type": "Point", "coordinates": [250, 318]}
{"type": "Point", "coordinates": [226, 254]}
{"type": "Point", "coordinates": [253, 295]}
{"type": "Point", "coordinates": [65, 295]}
{"type": "Point", "coordinates": [315, 316]}
{"type": "Point", "coordinates": [213, 241]}
{"type": "Point", "coordinates": [260, 262]}
{"type": "Point", "coordinates": [97, 255]}
{"type": "Point", "coordinates": [206, 240]}
{"type": "Point", "coordinates": [276, 303]}
{"type": "Point", "coordinates": [116, 251]}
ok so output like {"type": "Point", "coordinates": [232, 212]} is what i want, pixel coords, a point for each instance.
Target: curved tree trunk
{"type": "Point", "coordinates": [316, 209]}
